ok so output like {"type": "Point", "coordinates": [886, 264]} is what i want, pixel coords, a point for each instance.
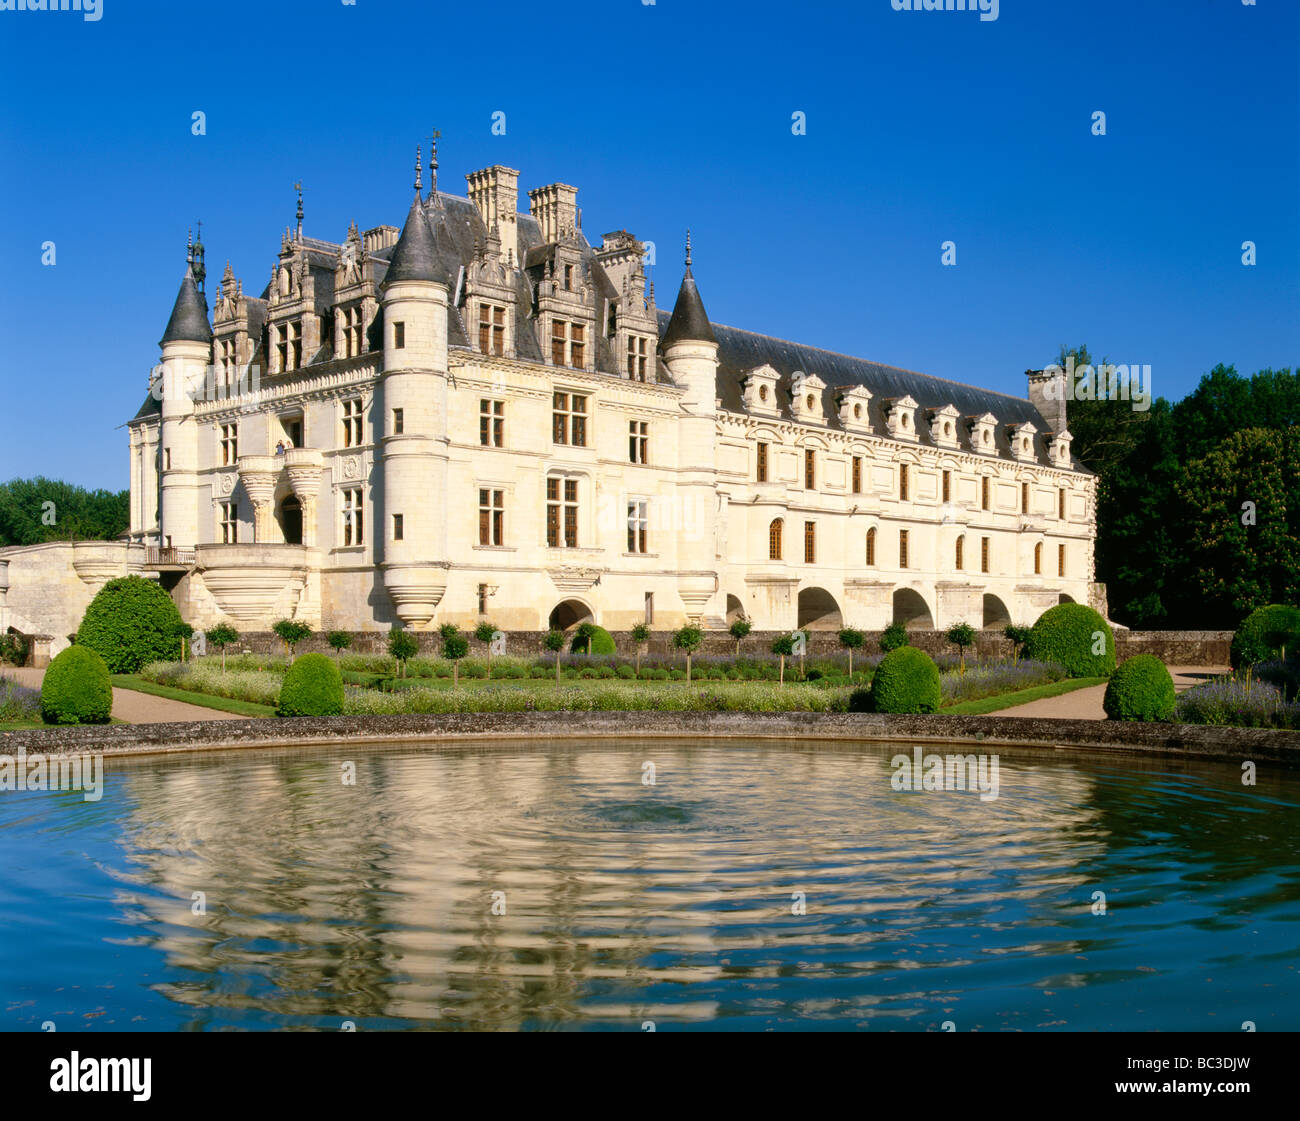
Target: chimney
{"type": "Point", "coordinates": [1048, 390]}
{"type": "Point", "coordinates": [556, 210]}
{"type": "Point", "coordinates": [495, 191]}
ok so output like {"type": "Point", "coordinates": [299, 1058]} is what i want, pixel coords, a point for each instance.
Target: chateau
{"type": "Point", "coordinates": [482, 416]}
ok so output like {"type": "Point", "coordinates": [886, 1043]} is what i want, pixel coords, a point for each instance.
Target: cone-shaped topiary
{"type": "Point", "coordinates": [1140, 689]}
{"type": "Point", "coordinates": [312, 687]}
{"type": "Point", "coordinates": [906, 681]}
{"type": "Point", "coordinates": [1077, 637]}
{"type": "Point", "coordinates": [131, 622]}
{"type": "Point", "coordinates": [76, 689]}
{"type": "Point", "coordinates": [1264, 634]}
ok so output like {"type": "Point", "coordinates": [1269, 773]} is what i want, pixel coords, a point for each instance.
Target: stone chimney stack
{"type": "Point", "coordinates": [495, 191]}
{"type": "Point", "coordinates": [1048, 390]}
{"type": "Point", "coordinates": [556, 209]}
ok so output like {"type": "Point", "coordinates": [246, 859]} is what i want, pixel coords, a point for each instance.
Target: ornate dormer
{"type": "Point", "coordinates": [759, 386]}
{"type": "Point", "coordinates": [488, 300]}
{"type": "Point", "coordinates": [900, 417]}
{"type": "Point", "coordinates": [1021, 437]}
{"type": "Point", "coordinates": [1058, 449]}
{"type": "Point", "coordinates": [355, 295]}
{"type": "Point", "coordinates": [806, 398]}
{"type": "Point", "coordinates": [564, 299]}
{"type": "Point", "coordinates": [630, 322]}
{"type": "Point", "coordinates": [236, 331]}
{"type": "Point", "coordinates": [982, 434]}
{"type": "Point", "coordinates": [855, 408]}
{"type": "Point", "coordinates": [943, 426]}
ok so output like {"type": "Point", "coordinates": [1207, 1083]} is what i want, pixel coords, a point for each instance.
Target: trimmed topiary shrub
{"type": "Point", "coordinates": [894, 636]}
{"type": "Point", "coordinates": [1077, 637]}
{"type": "Point", "coordinates": [313, 686]}
{"type": "Point", "coordinates": [1264, 633]}
{"type": "Point", "coordinates": [1140, 689]}
{"type": "Point", "coordinates": [130, 623]}
{"type": "Point", "coordinates": [907, 680]}
{"type": "Point", "coordinates": [591, 639]}
{"type": "Point", "coordinates": [76, 689]}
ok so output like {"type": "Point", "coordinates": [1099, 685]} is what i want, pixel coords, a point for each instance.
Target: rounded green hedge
{"type": "Point", "coordinates": [76, 689]}
{"type": "Point", "coordinates": [598, 641]}
{"type": "Point", "coordinates": [1140, 689]}
{"type": "Point", "coordinates": [312, 687]}
{"type": "Point", "coordinates": [1067, 633]}
{"type": "Point", "coordinates": [907, 680]}
{"type": "Point", "coordinates": [1263, 634]}
{"type": "Point", "coordinates": [131, 622]}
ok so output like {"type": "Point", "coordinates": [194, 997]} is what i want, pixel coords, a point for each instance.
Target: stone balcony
{"type": "Point", "coordinates": [255, 583]}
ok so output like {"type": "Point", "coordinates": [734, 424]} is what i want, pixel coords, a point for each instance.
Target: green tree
{"type": "Point", "coordinates": [688, 639]}
{"type": "Point", "coordinates": [221, 636]}
{"type": "Point", "coordinates": [894, 636]}
{"type": "Point", "coordinates": [739, 630]}
{"type": "Point", "coordinates": [783, 645]}
{"type": "Point", "coordinates": [640, 635]}
{"type": "Point", "coordinates": [961, 636]}
{"type": "Point", "coordinates": [455, 647]}
{"type": "Point", "coordinates": [484, 632]}
{"type": "Point", "coordinates": [33, 511]}
{"type": "Point", "coordinates": [182, 632]}
{"type": "Point", "coordinates": [554, 642]}
{"type": "Point", "coordinates": [402, 646]}
{"type": "Point", "coordinates": [1017, 636]}
{"type": "Point", "coordinates": [447, 630]}
{"type": "Point", "coordinates": [291, 632]}
{"type": "Point", "coordinates": [851, 640]}
{"type": "Point", "coordinates": [339, 640]}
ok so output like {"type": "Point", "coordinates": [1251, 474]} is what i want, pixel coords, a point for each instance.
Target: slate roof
{"type": "Point", "coordinates": [189, 318]}
{"type": "Point", "coordinates": [415, 256]}
{"type": "Point", "coordinates": [688, 319]}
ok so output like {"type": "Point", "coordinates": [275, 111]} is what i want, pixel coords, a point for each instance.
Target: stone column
{"type": "Point", "coordinates": [258, 473]}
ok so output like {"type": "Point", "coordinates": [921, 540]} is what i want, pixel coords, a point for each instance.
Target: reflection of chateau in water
{"type": "Point", "coordinates": [373, 902]}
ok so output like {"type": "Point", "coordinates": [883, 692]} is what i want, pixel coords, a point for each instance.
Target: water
{"type": "Point", "coordinates": [624, 903]}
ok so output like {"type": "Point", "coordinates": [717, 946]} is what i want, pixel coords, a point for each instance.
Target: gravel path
{"type": "Point", "coordinates": [1085, 704]}
{"type": "Point", "coordinates": [133, 707]}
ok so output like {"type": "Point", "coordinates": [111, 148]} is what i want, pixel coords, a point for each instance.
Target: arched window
{"type": "Point", "coordinates": [1038, 559]}
{"type": "Point", "coordinates": [961, 548]}
{"type": "Point", "coordinates": [871, 547]}
{"type": "Point", "coordinates": [774, 534]}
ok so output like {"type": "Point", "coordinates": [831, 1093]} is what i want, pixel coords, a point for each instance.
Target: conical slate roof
{"type": "Point", "coordinates": [689, 321]}
{"type": "Point", "coordinates": [415, 256]}
{"type": "Point", "coordinates": [189, 321]}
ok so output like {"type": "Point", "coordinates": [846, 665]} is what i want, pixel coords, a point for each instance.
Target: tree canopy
{"type": "Point", "coordinates": [33, 511]}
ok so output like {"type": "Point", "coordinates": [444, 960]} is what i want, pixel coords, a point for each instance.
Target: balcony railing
{"type": "Point", "coordinates": [168, 557]}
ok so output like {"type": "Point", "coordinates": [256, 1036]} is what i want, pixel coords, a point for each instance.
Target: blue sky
{"type": "Point", "coordinates": [922, 127]}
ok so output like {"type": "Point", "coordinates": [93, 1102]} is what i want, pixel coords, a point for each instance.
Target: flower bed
{"type": "Point", "coordinates": [1242, 704]}
{"type": "Point", "coordinates": [991, 679]}
{"type": "Point", "coordinates": [18, 703]}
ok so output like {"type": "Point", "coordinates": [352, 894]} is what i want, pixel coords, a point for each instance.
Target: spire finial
{"type": "Point", "coordinates": [433, 161]}
{"type": "Point", "coordinates": [189, 246]}
{"type": "Point", "coordinates": [419, 160]}
{"type": "Point", "coordinates": [688, 250]}
{"type": "Point", "coordinates": [298, 187]}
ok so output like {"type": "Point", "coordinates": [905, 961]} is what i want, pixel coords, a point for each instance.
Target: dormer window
{"type": "Point", "coordinates": [760, 390]}
{"type": "Point", "coordinates": [491, 329]}
{"type": "Point", "coordinates": [638, 354]}
{"type": "Point", "coordinates": [981, 434]}
{"type": "Point", "coordinates": [289, 346]}
{"type": "Point", "coordinates": [568, 344]}
{"type": "Point", "coordinates": [854, 409]}
{"type": "Point", "coordinates": [901, 418]}
{"type": "Point", "coordinates": [1022, 440]}
{"type": "Point", "coordinates": [351, 332]}
{"type": "Point", "coordinates": [568, 278]}
{"type": "Point", "coordinates": [806, 398]}
{"type": "Point", "coordinates": [943, 426]}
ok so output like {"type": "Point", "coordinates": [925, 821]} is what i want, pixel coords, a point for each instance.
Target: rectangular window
{"type": "Point", "coordinates": [1024, 498]}
{"type": "Point", "coordinates": [638, 439]}
{"type": "Point", "coordinates": [810, 542]}
{"type": "Point", "coordinates": [1060, 503]}
{"type": "Point", "coordinates": [649, 608]}
{"type": "Point", "coordinates": [857, 474]}
{"type": "Point", "coordinates": [399, 336]}
{"type": "Point", "coordinates": [352, 434]}
{"type": "Point", "coordinates": [637, 352]}
{"type": "Point", "coordinates": [809, 470]}
{"type": "Point", "coordinates": [984, 493]}
{"type": "Point", "coordinates": [397, 527]}
{"type": "Point", "coordinates": [562, 513]}
{"type": "Point", "coordinates": [568, 343]}
{"type": "Point", "coordinates": [352, 332]}
{"type": "Point", "coordinates": [491, 329]}
{"type": "Point", "coordinates": [491, 516]}
{"type": "Point", "coordinates": [569, 419]}
{"type": "Point", "coordinates": [354, 523]}
{"type": "Point", "coordinates": [1060, 560]}
{"type": "Point", "coordinates": [761, 468]}
{"type": "Point", "coordinates": [902, 548]}
{"type": "Point", "coordinates": [399, 421]}
{"type": "Point", "coordinates": [984, 554]}
{"type": "Point", "coordinates": [491, 423]}
{"type": "Point", "coordinates": [947, 486]}
{"type": "Point", "coordinates": [229, 444]}
{"type": "Point", "coordinates": [167, 459]}
{"type": "Point", "coordinates": [568, 278]}
{"type": "Point", "coordinates": [229, 523]}
{"type": "Point", "coordinates": [961, 550]}
{"type": "Point", "coordinates": [637, 524]}
{"type": "Point", "coordinates": [902, 482]}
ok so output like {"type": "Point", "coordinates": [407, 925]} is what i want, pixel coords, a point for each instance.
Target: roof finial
{"type": "Point", "coordinates": [189, 246]}
{"type": "Point", "coordinates": [688, 250]}
{"type": "Point", "coordinates": [298, 187]}
{"type": "Point", "coordinates": [433, 161]}
{"type": "Point", "coordinates": [419, 159]}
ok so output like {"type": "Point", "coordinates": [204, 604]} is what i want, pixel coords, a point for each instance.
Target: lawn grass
{"type": "Point", "coordinates": [20, 725]}
{"type": "Point", "coordinates": [138, 684]}
{"type": "Point", "coordinates": [1020, 697]}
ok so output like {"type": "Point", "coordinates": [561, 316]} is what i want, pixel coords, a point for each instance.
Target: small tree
{"type": "Point", "coordinates": [783, 645]}
{"type": "Point", "coordinates": [640, 635]}
{"type": "Point", "coordinates": [221, 636]}
{"type": "Point", "coordinates": [895, 636]}
{"type": "Point", "coordinates": [851, 640]}
{"type": "Point", "coordinates": [402, 645]}
{"type": "Point", "coordinates": [554, 641]}
{"type": "Point", "coordinates": [291, 632]}
{"type": "Point", "coordinates": [1017, 636]}
{"type": "Point", "coordinates": [961, 636]}
{"type": "Point", "coordinates": [688, 639]}
{"type": "Point", "coordinates": [340, 640]}
{"type": "Point", "coordinates": [183, 632]}
{"type": "Point", "coordinates": [447, 630]}
{"type": "Point", "coordinates": [484, 632]}
{"type": "Point", "coordinates": [739, 630]}
{"type": "Point", "coordinates": [454, 647]}
{"type": "Point", "coordinates": [803, 650]}
{"type": "Point", "coordinates": [582, 638]}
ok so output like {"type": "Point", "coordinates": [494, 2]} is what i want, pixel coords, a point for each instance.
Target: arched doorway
{"type": "Point", "coordinates": [1064, 599]}
{"type": "Point", "coordinates": [291, 520]}
{"type": "Point", "coordinates": [996, 615]}
{"type": "Point", "coordinates": [735, 609]}
{"type": "Point", "coordinates": [911, 610]}
{"type": "Point", "coordinates": [569, 614]}
{"type": "Point", "coordinates": [818, 610]}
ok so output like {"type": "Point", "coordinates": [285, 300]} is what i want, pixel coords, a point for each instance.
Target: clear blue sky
{"type": "Point", "coordinates": [922, 127]}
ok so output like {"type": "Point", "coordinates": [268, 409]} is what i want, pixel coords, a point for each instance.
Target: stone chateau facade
{"type": "Point", "coordinates": [484, 417]}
